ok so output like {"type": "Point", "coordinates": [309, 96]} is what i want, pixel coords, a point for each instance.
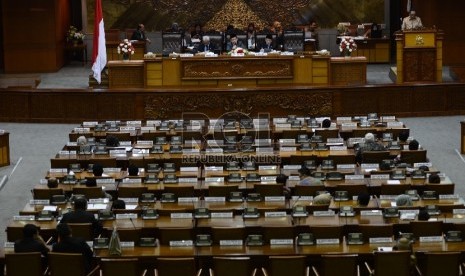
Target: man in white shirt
{"type": "Point", "coordinates": [411, 22]}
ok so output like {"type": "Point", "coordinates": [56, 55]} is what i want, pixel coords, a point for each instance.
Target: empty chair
{"type": "Point", "coordinates": [326, 232]}
{"type": "Point", "coordinates": [20, 264]}
{"type": "Point", "coordinates": [177, 266]}
{"type": "Point", "coordinates": [396, 189]}
{"type": "Point", "coordinates": [128, 33]}
{"type": "Point", "coordinates": [294, 41]}
{"type": "Point", "coordinates": [179, 191]}
{"type": "Point", "coordinates": [277, 232]}
{"type": "Point", "coordinates": [390, 263]}
{"type": "Point", "coordinates": [426, 228]}
{"type": "Point", "coordinates": [112, 34]}
{"type": "Point", "coordinates": [307, 190]}
{"type": "Point", "coordinates": [222, 190]}
{"type": "Point", "coordinates": [82, 230]}
{"type": "Point", "coordinates": [376, 231]}
{"type": "Point", "coordinates": [130, 234]}
{"type": "Point", "coordinates": [287, 265]}
{"type": "Point", "coordinates": [105, 162]}
{"type": "Point", "coordinates": [62, 163]}
{"type": "Point", "coordinates": [326, 133]}
{"type": "Point", "coordinates": [338, 264]}
{"type": "Point", "coordinates": [89, 192]}
{"type": "Point", "coordinates": [171, 42]}
{"type": "Point", "coordinates": [46, 193]}
{"type": "Point", "coordinates": [150, 136]}
{"type": "Point", "coordinates": [269, 189]}
{"type": "Point", "coordinates": [352, 189]}
{"type": "Point", "coordinates": [134, 192]}
{"type": "Point", "coordinates": [374, 156]}
{"type": "Point", "coordinates": [121, 267]}
{"type": "Point", "coordinates": [227, 233]}
{"type": "Point", "coordinates": [60, 264]}
{"type": "Point", "coordinates": [413, 156]}
{"type": "Point", "coordinates": [441, 189]}
{"type": "Point", "coordinates": [342, 159]}
{"type": "Point", "coordinates": [440, 263]}
{"type": "Point", "coordinates": [292, 134]}
{"type": "Point", "coordinates": [167, 234]}
{"type": "Point", "coordinates": [232, 266]}
{"type": "Point", "coordinates": [122, 136]}
{"type": "Point", "coordinates": [300, 159]}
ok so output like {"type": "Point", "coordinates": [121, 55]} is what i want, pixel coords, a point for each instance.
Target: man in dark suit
{"type": "Point", "coordinates": [68, 244]}
{"type": "Point", "coordinates": [206, 46]}
{"type": "Point", "coordinates": [268, 46]}
{"type": "Point", "coordinates": [31, 241]}
{"type": "Point", "coordinates": [80, 215]}
{"type": "Point", "coordinates": [139, 34]}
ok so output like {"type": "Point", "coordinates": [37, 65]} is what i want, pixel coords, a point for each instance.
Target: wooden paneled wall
{"type": "Point", "coordinates": [34, 34]}
{"type": "Point", "coordinates": [75, 106]}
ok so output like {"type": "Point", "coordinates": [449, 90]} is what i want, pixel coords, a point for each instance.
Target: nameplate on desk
{"type": "Point", "coordinates": [71, 144]}
{"type": "Point", "coordinates": [189, 169]}
{"type": "Point", "coordinates": [126, 216]}
{"type": "Point", "coordinates": [337, 148]}
{"type": "Point", "coordinates": [286, 53]}
{"type": "Point", "coordinates": [96, 206]}
{"type": "Point", "coordinates": [302, 198]}
{"type": "Point", "coordinates": [345, 166]}
{"type": "Point", "coordinates": [125, 144]}
{"type": "Point", "coordinates": [371, 213]}
{"type": "Point", "coordinates": [381, 240]}
{"type": "Point", "coordinates": [153, 123]}
{"type": "Point", "coordinates": [129, 199]}
{"type": "Point", "coordinates": [328, 213]}
{"type": "Point", "coordinates": [105, 181]}
{"type": "Point", "coordinates": [112, 170]}
{"type": "Point", "coordinates": [345, 126]}
{"type": "Point", "coordinates": [221, 215]}
{"type": "Point", "coordinates": [288, 149]}
{"type": "Point", "coordinates": [64, 152]}
{"type": "Point", "coordinates": [231, 242]}
{"type": "Point", "coordinates": [181, 215]}
{"type": "Point", "coordinates": [354, 177]}
{"type": "Point", "coordinates": [448, 196]}
{"type": "Point", "coordinates": [340, 119]}
{"type": "Point", "coordinates": [281, 241]}
{"type": "Point", "coordinates": [393, 182]}
{"type": "Point", "coordinates": [275, 198]}
{"type": "Point", "coordinates": [431, 239]}
{"type": "Point", "coordinates": [214, 150]}
{"type": "Point", "coordinates": [81, 129]}
{"type": "Point", "coordinates": [43, 181]}
{"type": "Point", "coordinates": [275, 214]}
{"type": "Point", "coordinates": [388, 118]}
{"type": "Point", "coordinates": [214, 169]}
{"type": "Point", "coordinates": [132, 180]}
{"type": "Point", "coordinates": [117, 152]}
{"type": "Point", "coordinates": [89, 124]}
{"type": "Point", "coordinates": [214, 179]}
{"type": "Point", "coordinates": [334, 141]}
{"type": "Point", "coordinates": [294, 177]}
{"type": "Point", "coordinates": [395, 124]}
{"type": "Point", "coordinates": [268, 179]}
{"type": "Point", "coordinates": [187, 180]}
{"type": "Point", "coordinates": [127, 129]}
{"type": "Point", "coordinates": [140, 152]}
{"type": "Point", "coordinates": [279, 120]}
{"type": "Point", "coordinates": [285, 125]}
{"type": "Point", "coordinates": [39, 202]}
{"type": "Point", "coordinates": [263, 150]}
{"type": "Point", "coordinates": [98, 200]}
{"type": "Point", "coordinates": [191, 151]}
{"type": "Point", "coordinates": [380, 176]}
{"type": "Point", "coordinates": [181, 243]}
{"type": "Point", "coordinates": [458, 211]}
{"type": "Point", "coordinates": [127, 244]}
{"type": "Point", "coordinates": [187, 199]}
{"type": "Point", "coordinates": [58, 171]}
{"type": "Point", "coordinates": [9, 244]}
{"type": "Point", "coordinates": [284, 142]}
{"type": "Point", "coordinates": [427, 164]}
{"type": "Point", "coordinates": [215, 199]}
{"type": "Point", "coordinates": [23, 217]}
{"type": "Point", "coordinates": [267, 168]}
{"type": "Point", "coordinates": [292, 167]}
{"type": "Point", "coordinates": [327, 241]}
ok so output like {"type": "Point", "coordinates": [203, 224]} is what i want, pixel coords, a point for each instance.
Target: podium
{"type": "Point", "coordinates": [419, 56]}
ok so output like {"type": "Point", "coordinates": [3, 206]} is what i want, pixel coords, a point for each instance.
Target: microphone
{"type": "Point", "coordinates": [133, 225]}
{"type": "Point", "coordinates": [292, 209]}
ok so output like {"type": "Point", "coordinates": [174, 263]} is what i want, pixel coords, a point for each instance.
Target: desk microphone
{"type": "Point", "coordinates": [292, 209]}
{"type": "Point", "coordinates": [132, 222]}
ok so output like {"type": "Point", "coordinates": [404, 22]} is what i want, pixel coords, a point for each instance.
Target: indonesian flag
{"type": "Point", "coordinates": [99, 53]}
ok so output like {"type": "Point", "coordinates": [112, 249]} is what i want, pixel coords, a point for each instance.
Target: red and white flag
{"type": "Point", "coordinates": [99, 52]}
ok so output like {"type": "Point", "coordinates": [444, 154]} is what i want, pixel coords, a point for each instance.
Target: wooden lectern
{"type": "Point", "coordinates": [419, 55]}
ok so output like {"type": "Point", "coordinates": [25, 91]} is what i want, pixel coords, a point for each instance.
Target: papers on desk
{"type": "Point", "coordinates": [393, 182]}
{"type": "Point", "coordinates": [385, 248]}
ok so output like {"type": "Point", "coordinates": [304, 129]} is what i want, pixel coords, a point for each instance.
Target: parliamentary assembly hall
{"type": "Point", "coordinates": [232, 137]}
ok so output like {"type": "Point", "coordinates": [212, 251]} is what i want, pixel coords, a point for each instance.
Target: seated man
{"type": "Point", "coordinates": [68, 244]}
{"type": "Point", "coordinates": [411, 22]}
{"type": "Point", "coordinates": [31, 241]}
{"type": "Point", "coordinates": [369, 145]}
{"type": "Point", "coordinates": [80, 215]}
{"type": "Point", "coordinates": [206, 46]}
{"type": "Point", "coordinates": [139, 34]}
{"type": "Point", "coordinates": [233, 43]}
{"type": "Point", "coordinates": [268, 46]}
{"type": "Point", "coordinates": [306, 179]}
